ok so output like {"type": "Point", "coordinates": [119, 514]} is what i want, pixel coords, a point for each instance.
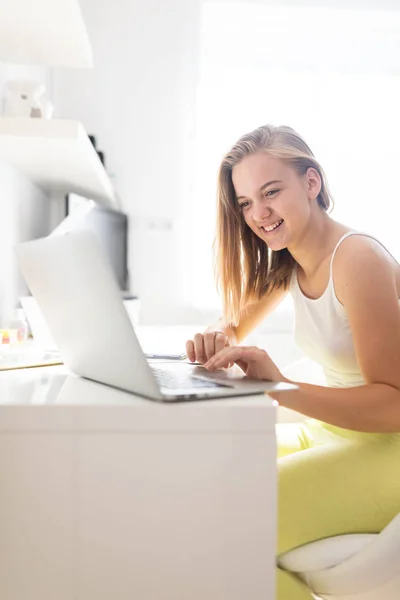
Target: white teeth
{"type": "Point", "coordinates": [273, 226]}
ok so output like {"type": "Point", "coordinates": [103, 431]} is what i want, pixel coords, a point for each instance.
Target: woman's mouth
{"type": "Point", "coordinates": [273, 227]}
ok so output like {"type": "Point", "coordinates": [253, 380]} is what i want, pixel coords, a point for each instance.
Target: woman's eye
{"type": "Point", "coordinates": [271, 193]}
{"type": "Point", "coordinates": [244, 205]}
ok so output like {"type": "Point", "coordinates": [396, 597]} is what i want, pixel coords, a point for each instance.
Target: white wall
{"type": "Point", "coordinates": [140, 102]}
{"type": "Point", "coordinates": [24, 209]}
{"type": "Point", "coordinates": [24, 214]}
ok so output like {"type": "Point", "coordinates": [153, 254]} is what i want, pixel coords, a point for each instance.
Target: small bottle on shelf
{"type": "Point", "coordinates": [19, 325]}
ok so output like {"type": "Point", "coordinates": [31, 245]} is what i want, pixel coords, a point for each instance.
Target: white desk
{"type": "Point", "coordinates": [106, 496]}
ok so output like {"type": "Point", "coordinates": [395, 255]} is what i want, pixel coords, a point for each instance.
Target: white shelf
{"type": "Point", "coordinates": [57, 155]}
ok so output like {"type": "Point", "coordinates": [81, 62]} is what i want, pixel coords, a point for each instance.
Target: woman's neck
{"type": "Point", "coordinates": [317, 241]}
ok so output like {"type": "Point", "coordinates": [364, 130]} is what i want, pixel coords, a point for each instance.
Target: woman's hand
{"type": "Point", "coordinates": [254, 362]}
{"type": "Point", "coordinates": [205, 345]}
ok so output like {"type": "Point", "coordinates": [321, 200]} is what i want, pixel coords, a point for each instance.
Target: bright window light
{"type": "Point", "coordinates": [331, 74]}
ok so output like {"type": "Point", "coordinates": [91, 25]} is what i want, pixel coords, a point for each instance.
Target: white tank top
{"type": "Point", "coordinates": [322, 330]}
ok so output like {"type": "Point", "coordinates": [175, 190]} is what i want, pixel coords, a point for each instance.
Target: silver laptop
{"type": "Point", "coordinates": [74, 286]}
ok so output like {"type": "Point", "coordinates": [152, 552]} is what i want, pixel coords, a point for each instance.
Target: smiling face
{"type": "Point", "coordinates": [274, 199]}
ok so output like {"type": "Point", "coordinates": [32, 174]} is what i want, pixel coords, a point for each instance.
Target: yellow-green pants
{"type": "Point", "coordinates": [332, 482]}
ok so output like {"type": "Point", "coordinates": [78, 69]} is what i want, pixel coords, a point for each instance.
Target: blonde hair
{"type": "Point", "coordinates": [245, 268]}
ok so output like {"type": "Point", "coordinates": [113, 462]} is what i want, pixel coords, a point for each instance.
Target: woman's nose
{"type": "Point", "coordinates": [261, 211]}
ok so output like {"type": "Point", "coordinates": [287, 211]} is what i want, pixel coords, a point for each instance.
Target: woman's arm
{"type": "Point", "coordinates": [250, 317]}
{"type": "Point", "coordinates": [365, 283]}
{"type": "Point", "coordinates": [217, 336]}
{"type": "Point", "coordinates": [373, 408]}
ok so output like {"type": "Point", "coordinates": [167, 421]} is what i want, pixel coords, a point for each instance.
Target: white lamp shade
{"type": "Point", "coordinates": [44, 32]}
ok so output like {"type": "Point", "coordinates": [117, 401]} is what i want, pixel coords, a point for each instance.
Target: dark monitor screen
{"type": "Point", "coordinates": [111, 229]}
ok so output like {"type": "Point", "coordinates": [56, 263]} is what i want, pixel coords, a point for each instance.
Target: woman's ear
{"type": "Point", "coordinates": [314, 183]}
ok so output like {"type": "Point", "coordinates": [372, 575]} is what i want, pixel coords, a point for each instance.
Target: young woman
{"type": "Point", "coordinates": [339, 471]}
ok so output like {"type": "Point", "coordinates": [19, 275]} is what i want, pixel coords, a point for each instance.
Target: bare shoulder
{"type": "Point", "coordinates": [360, 257]}
{"type": "Point", "coordinates": [367, 284]}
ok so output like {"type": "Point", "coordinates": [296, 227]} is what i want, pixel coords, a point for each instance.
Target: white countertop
{"type": "Point", "coordinates": [102, 490]}
{"type": "Point", "coordinates": [51, 399]}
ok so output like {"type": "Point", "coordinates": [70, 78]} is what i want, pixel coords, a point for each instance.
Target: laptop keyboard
{"type": "Point", "coordinates": [176, 381]}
